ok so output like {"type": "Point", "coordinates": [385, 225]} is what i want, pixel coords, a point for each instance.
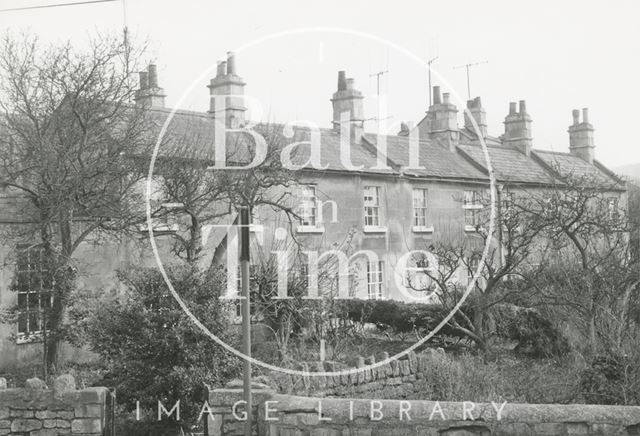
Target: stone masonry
{"type": "Point", "coordinates": [401, 378]}
{"type": "Point", "coordinates": [36, 410]}
{"type": "Point", "coordinates": [288, 415]}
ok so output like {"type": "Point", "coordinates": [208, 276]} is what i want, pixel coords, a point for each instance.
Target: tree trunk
{"type": "Point", "coordinates": [593, 344]}
{"type": "Point", "coordinates": [478, 327]}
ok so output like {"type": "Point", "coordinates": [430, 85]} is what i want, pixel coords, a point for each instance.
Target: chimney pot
{"type": "Point", "coordinates": [523, 107]}
{"type": "Point", "coordinates": [144, 79]}
{"type": "Point", "coordinates": [350, 84]}
{"type": "Point", "coordinates": [231, 63]}
{"type": "Point", "coordinates": [576, 116]}
{"type": "Point", "coordinates": [342, 81]}
{"type": "Point", "coordinates": [153, 76]}
{"type": "Point", "coordinates": [436, 95]}
{"type": "Point", "coordinates": [222, 69]}
{"type": "Point", "coordinates": [445, 98]}
{"type": "Point", "coordinates": [585, 115]}
{"type": "Point", "coordinates": [512, 108]}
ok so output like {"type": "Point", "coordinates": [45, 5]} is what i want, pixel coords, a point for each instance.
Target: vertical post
{"type": "Point", "coordinates": [429, 62]}
{"type": "Point", "coordinates": [246, 314]}
{"type": "Point", "coordinates": [468, 83]}
{"type": "Point", "coordinates": [430, 102]}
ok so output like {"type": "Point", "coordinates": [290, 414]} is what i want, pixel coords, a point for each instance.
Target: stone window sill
{"type": "Point", "coordinates": [310, 229]}
{"type": "Point", "coordinates": [422, 229]}
{"type": "Point", "coordinates": [375, 229]}
{"type": "Point", "coordinates": [31, 338]}
{"type": "Point", "coordinates": [159, 228]}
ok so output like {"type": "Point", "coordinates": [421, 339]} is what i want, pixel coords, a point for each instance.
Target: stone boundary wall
{"type": "Point", "coordinates": [288, 415]}
{"type": "Point", "coordinates": [401, 378]}
{"type": "Point", "coordinates": [36, 410]}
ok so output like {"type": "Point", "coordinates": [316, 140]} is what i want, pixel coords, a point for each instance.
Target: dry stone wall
{"type": "Point", "coordinates": [289, 415]}
{"type": "Point", "coordinates": [402, 378]}
{"type": "Point", "coordinates": [36, 410]}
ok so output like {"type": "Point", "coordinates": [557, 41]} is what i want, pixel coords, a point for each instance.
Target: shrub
{"type": "Point", "coordinates": [398, 316]}
{"type": "Point", "coordinates": [152, 350]}
{"type": "Point", "coordinates": [612, 378]}
{"type": "Point", "coordinates": [536, 335]}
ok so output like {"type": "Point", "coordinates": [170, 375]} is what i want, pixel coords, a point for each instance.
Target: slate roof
{"type": "Point", "coordinates": [437, 160]}
{"type": "Point", "coordinates": [192, 134]}
{"type": "Point", "coordinates": [575, 166]}
{"type": "Point", "coordinates": [508, 163]}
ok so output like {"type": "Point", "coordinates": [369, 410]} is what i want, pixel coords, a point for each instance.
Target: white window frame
{"type": "Point", "coordinates": [27, 311]}
{"type": "Point", "coordinates": [472, 206]}
{"type": "Point", "coordinates": [420, 217]}
{"type": "Point", "coordinates": [373, 209]}
{"type": "Point", "coordinates": [612, 205]}
{"type": "Point", "coordinates": [375, 280]}
{"type": "Point", "coordinates": [310, 221]}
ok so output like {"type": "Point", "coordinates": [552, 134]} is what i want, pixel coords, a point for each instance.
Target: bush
{"type": "Point", "coordinates": [536, 335]}
{"type": "Point", "coordinates": [152, 350]}
{"type": "Point", "coordinates": [612, 378]}
{"type": "Point", "coordinates": [398, 316]}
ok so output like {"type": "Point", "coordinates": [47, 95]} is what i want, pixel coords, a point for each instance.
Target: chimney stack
{"type": "Point", "coordinates": [349, 100]}
{"type": "Point", "coordinates": [222, 68]}
{"type": "Point", "coordinates": [436, 95]}
{"type": "Point", "coordinates": [441, 122]}
{"type": "Point", "coordinates": [150, 94]}
{"type": "Point", "coordinates": [517, 128]}
{"type": "Point", "coordinates": [227, 88]}
{"type": "Point", "coordinates": [479, 115]}
{"type": "Point", "coordinates": [144, 79]}
{"type": "Point", "coordinates": [581, 141]}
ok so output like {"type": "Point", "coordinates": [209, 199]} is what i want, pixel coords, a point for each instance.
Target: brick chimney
{"type": "Point", "coordinates": [348, 100]}
{"type": "Point", "coordinates": [479, 114]}
{"type": "Point", "coordinates": [441, 122]}
{"type": "Point", "coordinates": [150, 94]}
{"type": "Point", "coordinates": [228, 84]}
{"type": "Point", "coordinates": [581, 136]}
{"type": "Point", "coordinates": [517, 128]}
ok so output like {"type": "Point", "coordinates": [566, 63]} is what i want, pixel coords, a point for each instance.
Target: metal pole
{"type": "Point", "coordinates": [430, 103]}
{"type": "Point", "coordinates": [468, 84]}
{"type": "Point", "coordinates": [246, 314]}
{"type": "Point", "coordinates": [429, 62]}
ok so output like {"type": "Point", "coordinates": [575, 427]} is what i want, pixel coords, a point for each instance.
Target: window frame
{"type": "Point", "coordinates": [420, 218]}
{"type": "Point", "coordinates": [309, 226]}
{"type": "Point", "coordinates": [471, 208]}
{"type": "Point", "coordinates": [613, 204]}
{"type": "Point", "coordinates": [375, 289]}
{"type": "Point", "coordinates": [27, 311]}
{"type": "Point", "coordinates": [373, 221]}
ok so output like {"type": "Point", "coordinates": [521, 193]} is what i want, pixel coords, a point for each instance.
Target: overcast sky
{"type": "Point", "coordinates": [556, 55]}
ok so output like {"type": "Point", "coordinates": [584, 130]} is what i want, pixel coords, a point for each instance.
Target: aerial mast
{"type": "Point", "coordinates": [467, 66]}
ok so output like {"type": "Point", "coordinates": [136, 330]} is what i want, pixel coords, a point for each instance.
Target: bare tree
{"type": "Point", "coordinates": [200, 194]}
{"type": "Point", "coordinates": [68, 130]}
{"type": "Point", "coordinates": [503, 273]}
{"type": "Point", "coordinates": [598, 278]}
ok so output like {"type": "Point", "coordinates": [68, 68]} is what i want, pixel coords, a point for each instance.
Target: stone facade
{"type": "Point", "coordinates": [36, 410]}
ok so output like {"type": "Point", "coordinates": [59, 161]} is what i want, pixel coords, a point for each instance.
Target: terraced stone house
{"type": "Point", "coordinates": [390, 196]}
